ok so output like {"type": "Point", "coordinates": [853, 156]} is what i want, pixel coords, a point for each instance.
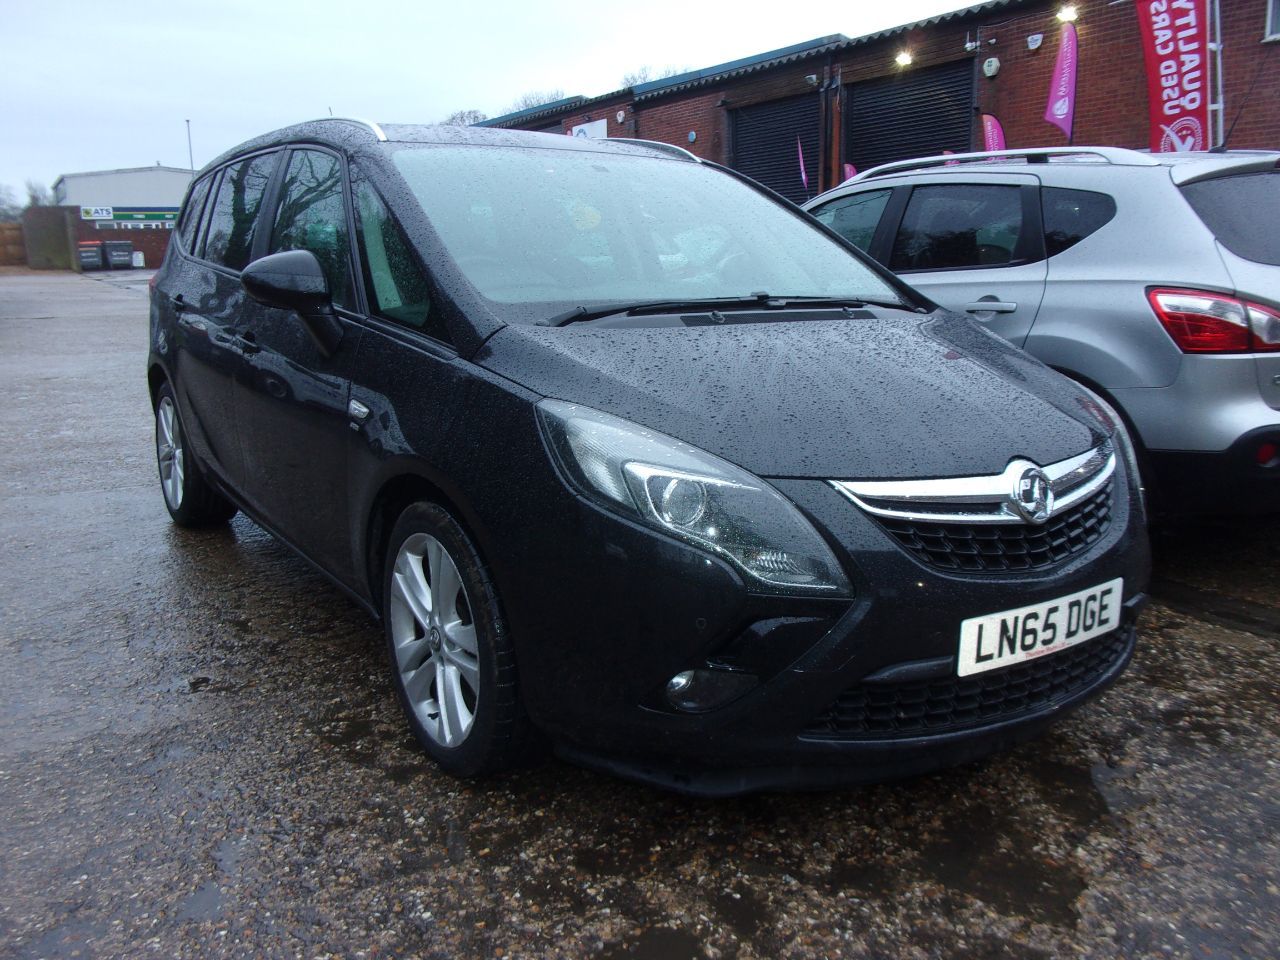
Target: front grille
{"type": "Point", "coordinates": [995, 548]}
{"type": "Point", "coordinates": [888, 711]}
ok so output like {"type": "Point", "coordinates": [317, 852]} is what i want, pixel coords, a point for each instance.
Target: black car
{"type": "Point", "coordinates": [628, 452]}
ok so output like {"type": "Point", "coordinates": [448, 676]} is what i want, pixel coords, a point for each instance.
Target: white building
{"type": "Point", "coordinates": [136, 198]}
{"type": "Point", "coordinates": [161, 187]}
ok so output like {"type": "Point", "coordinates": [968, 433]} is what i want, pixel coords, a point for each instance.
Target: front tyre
{"type": "Point", "coordinates": [190, 499]}
{"type": "Point", "coordinates": [451, 657]}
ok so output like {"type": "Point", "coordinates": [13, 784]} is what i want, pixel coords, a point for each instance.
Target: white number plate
{"type": "Point", "coordinates": [1015, 636]}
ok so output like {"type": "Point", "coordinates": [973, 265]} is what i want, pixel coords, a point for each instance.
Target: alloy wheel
{"type": "Point", "coordinates": [434, 638]}
{"type": "Point", "coordinates": [169, 452]}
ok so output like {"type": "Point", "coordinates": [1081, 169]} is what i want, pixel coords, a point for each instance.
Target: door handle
{"type": "Point", "coordinates": [990, 306]}
{"type": "Point", "coordinates": [247, 342]}
{"type": "Point", "coordinates": [177, 303]}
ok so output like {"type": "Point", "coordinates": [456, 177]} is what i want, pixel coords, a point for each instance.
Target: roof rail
{"type": "Point", "coordinates": [670, 148]}
{"type": "Point", "coordinates": [1113, 155]}
{"type": "Point", "coordinates": [377, 130]}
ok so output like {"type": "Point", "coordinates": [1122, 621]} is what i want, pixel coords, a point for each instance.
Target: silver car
{"type": "Point", "coordinates": [1153, 279]}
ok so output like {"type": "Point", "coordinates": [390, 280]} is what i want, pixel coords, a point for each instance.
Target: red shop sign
{"type": "Point", "coordinates": [1175, 46]}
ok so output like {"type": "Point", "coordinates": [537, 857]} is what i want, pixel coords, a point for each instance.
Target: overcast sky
{"type": "Point", "coordinates": [99, 84]}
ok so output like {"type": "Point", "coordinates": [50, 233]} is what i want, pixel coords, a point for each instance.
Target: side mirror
{"type": "Point", "coordinates": [294, 280]}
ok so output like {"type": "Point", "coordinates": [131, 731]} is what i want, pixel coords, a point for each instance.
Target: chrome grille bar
{"type": "Point", "coordinates": [987, 499]}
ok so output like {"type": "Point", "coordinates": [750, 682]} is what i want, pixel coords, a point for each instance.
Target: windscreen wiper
{"type": "Point", "coordinates": [581, 314]}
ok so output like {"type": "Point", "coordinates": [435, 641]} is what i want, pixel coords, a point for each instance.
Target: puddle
{"type": "Point", "coordinates": [1223, 611]}
{"type": "Point", "coordinates": [743, 912]}
{"type": "Point", "coordinates": [621, 861]}
{"type": "Point", "coordinates": [1070, 791]}
{"type": "Point", "coordinates": [988, 852]}
{"type": "Point", "coordinates": [865, 879]}
{"type": "Point", "coordinates": [206, 903]}
{"type": "Point", "coordinates": [1024, 883]}
{"type": "Point", "coordinates": [657, 943]}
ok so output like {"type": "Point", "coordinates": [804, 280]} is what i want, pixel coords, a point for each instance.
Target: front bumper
{"type": "Point", "coordinates": [820, 763]}
{"type": "Point", "coordinates": [656, 608]}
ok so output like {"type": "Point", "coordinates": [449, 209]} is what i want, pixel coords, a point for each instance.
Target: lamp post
{"type": "Point", "coordinates": [191, 161]}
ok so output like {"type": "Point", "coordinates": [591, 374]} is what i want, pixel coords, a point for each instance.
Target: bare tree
{"type": "Point", "coordinates": [465, 118]}
{"type": "Point", "coordinates": [10, 208]}
{"type": "Point", "coordinates": [534, 98]}
{"type": "Point", "coordinates": [38, 195]}
{"type": "Point", "coordinates": [645, 74]}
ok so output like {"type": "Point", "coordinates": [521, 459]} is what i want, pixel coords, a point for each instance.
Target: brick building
{"type": "Point", "coordinates": [840, 101]}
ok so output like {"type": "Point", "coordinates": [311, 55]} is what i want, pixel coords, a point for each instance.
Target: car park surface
{"type": "Point", "coordinates": [1153, 279]}
{"type": "Point", "coordinates": [201, 754]}
{"type": "Point", "coordinates": [720, 522]}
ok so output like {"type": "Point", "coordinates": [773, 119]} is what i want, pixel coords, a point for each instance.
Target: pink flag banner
{"type": "Point", "coordinates": [1175, 46]}
{"type": "Point", "coordinates": [850, 171]}
{"type": "Point", "coordinates": [804, 176]}
{"type": "Point", "coordinates": [992, 133]}
{"type": "Point", "coordinates": [1061, 108]}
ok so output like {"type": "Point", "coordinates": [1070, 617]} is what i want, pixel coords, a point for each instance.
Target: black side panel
{"type": "Point", "coordinates": [914, 113]}
{"type": "Point", "coordinates": [764, 144]}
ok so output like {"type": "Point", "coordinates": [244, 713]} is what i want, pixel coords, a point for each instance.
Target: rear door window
{"type": "Point", "coordinates": [229, 237]}
{"type": "Point", "coordinates": [1242, 211]}
{"type": "Point", "coordinates": [855, 216]}
{"type": "Point", "coordinates": [1072, 215]}
{"type": "Point", "coordinates": [191, 213]}
{"type": "Point", "coordinates": [313, 216]}
{"type": "Point", "coordinates": [954, 226]}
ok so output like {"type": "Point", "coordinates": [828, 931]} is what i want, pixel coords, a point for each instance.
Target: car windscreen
{"type": "Point", "coordinates": [540, 226]}
{"type": "Point", "coordinates": [1242, 211]}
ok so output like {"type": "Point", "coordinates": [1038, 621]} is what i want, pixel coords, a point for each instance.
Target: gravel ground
{"type": "Point", "coordinates": [200, 755]}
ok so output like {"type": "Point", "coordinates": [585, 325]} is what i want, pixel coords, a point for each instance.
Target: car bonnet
{"type": "Point", "coordinates": [891, 397]}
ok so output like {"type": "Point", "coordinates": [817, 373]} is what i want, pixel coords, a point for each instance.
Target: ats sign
{"type": "Point", "coordinates": [96, 213]}
{"type": "Point", "coordinates": [1175, 45]}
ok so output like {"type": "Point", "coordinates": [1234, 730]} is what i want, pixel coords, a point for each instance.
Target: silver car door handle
{"type": "Point", "coordinates": [990, 306]}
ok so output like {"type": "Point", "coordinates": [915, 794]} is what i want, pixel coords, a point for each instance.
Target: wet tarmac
{"type": "Point", "coordinates": [200, 755]}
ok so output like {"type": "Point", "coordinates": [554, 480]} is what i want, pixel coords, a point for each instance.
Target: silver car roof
{"type": "Point", "coordinates": [1182, 167]}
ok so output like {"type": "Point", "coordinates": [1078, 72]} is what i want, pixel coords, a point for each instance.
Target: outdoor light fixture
{"type": "Point", "coordinates": [1068, 13]}
{"type": "Point", "coordinates": [903, 59]}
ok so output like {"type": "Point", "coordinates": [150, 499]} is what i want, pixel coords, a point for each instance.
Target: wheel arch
{"type": "Point", "coordinates": [1106, 395]}
{"type": "Point", "coordinates": [157, 376]}
{"type": "Point", "coordinates": [396, 492]}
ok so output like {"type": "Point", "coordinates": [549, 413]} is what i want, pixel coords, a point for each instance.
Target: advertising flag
{"type": "Point", "coordinates": [804, 175]}
{"type": "Point", "coordinates": [1061, 108]}
{"type": "Point", "coordinates": [992, 133]}
{"type": "Point", "coordinates": [1175, 46]}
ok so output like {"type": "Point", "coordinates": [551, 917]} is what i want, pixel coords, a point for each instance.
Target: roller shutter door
{"type": "Point", "coordinates": [764, 144]}
{"type": "Point", "coordinates": [915, 113]}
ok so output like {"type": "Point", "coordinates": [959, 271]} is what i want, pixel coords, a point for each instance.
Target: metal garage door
{"type": "Point", "coordinates": [764, 144]}
{"type": "Point", "coordinates": [915, 113]}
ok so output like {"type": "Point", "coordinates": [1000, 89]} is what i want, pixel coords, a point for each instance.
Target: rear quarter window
{"type": "Point", "coordinates": [1072, 215]}
{"type": "Point", "coordinates": [229, 237]}
{"type": "Point", "coordinates": [191, 213]}
{"type": "Point", "coordinates": [855, 217]}
{"type": "Point", "coordinates": [1242, 211]}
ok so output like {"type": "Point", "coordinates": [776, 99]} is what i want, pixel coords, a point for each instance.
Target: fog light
{"type": "Point", "coordinates": [1268, 453]}
{"type": "Point", "coordinates": [697, 691]}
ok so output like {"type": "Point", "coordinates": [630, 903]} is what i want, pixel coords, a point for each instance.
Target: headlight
{"type": "Point", "coordinates": [686, 492]}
